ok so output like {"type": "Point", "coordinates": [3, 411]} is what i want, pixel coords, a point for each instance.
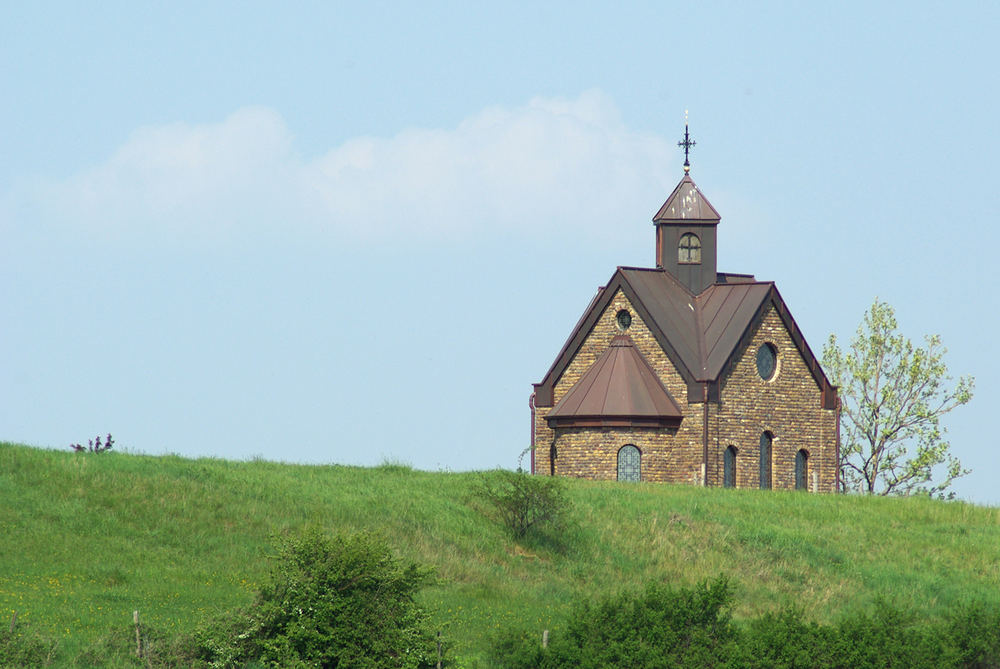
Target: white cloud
{"type": "Point", "coordinates": [541, 168]}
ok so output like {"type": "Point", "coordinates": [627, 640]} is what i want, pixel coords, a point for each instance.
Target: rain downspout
{"type": "Point", "coordinates": [704, 437]}
{"type": "Point", "coordinates": [531, 403]}
{"type": "Point", "coordinates": [839, 485]}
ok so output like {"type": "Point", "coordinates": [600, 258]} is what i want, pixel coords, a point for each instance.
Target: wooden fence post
{"type": "Point", "coordinates": [439, 650]}
{"type": "Point", "coordinates": [138, 639]}
{"type": "Point", "coordinates": [545, 639]}
{"type": "Point", "coordinates": [13, 619]}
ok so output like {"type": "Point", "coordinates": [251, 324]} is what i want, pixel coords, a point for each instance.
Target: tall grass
{"type": "Point", "coordinates": [85, 539]}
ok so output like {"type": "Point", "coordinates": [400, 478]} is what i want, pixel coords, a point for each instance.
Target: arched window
{"type": "Point", "coordinates": [629, 467]}
{"type": "Point", "coordinates": [765, 460]}
{"type": "Point", "coordinates": [802, 470]}
{"type": "Point", "coordinates": [729, 467]}
{"type": "Point", "coordinates": [689, 249]}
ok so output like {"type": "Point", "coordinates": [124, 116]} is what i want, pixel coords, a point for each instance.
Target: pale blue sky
{"type": "Point", "coordinates": [347, 233]}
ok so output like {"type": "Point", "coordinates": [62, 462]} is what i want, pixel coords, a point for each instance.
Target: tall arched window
{"type": "Point", "coordinates": [629, 465]}
{"type": "Point", "coordinates": [689, 249]}
{"type": "Point", "coordinates": [765, 460]}
{"type": "Point", "coordinates": [729, 467]}
{"type": "Point", "coordinates": [802, 470]}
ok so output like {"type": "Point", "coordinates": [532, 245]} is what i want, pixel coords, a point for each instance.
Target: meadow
{"type": "Point", "coordinates": [89, 538]}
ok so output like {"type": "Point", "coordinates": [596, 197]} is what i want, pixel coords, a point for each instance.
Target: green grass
{"type": "Point", "coordinates": [86, 539]}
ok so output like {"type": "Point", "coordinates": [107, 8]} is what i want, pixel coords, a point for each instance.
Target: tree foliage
{"type": "Point", "coordinates": [893, 396]}
{"type": "Point", "coordinates": [332, 601]}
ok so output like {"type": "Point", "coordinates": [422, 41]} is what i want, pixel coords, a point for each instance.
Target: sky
{"type": "Point", "coordinates": [358, 232]}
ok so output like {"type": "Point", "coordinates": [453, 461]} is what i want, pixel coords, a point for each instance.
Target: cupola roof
{"type": "Point", "coordinates": [687, 203]}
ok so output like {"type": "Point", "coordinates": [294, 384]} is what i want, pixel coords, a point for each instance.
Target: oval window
{"type": "Point", "coordinates": [624, 319]}
{"type": "Point", "coordinates": [767, 361]}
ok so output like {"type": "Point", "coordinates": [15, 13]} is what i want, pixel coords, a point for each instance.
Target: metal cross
{"type": "Point", "coordinates": [686, 145]}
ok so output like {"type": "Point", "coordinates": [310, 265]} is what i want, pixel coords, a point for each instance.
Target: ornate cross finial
{"type": "Point", "coordinates": [687, 143]}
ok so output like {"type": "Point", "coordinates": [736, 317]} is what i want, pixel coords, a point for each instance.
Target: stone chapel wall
{"type": "Point", "coordinates": [789, 406]}
{"type": "Point", "coordinates": [667, 455]}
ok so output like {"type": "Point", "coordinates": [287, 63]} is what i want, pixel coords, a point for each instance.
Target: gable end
{"type": "Point", "coordinates": [544, 390]}
{"type": "Point", "coordinates": [828, 390]}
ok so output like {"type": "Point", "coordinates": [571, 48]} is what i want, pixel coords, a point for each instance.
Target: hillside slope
{"type": "Point", "coordinates": [87, 539]}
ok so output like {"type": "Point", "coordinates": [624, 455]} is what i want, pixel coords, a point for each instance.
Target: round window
{"type": "Point", "coordinates": [767, 361]}
{"type": "Point", "coordinates": [624, 319]}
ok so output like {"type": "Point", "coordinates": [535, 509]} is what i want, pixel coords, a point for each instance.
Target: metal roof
{"type": "Point", "coordinates": [619, 388]}
{"type": "Point", "coordinates": [726, 312]}
{"type": "Point", "coordinates": [687, 203]}
{"type": "Point", "coordinates": [700, 334]}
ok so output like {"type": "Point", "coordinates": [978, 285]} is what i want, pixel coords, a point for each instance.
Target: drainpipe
{"type": "Point", "coordinates": [531, 403]}
{"type": "Point", "coordinates": [704, 437]}
{"type": "Point", "coordinates": [839, 483]}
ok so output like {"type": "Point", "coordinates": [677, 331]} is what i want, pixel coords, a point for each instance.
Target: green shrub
{"type": "Point", "coordinates": [783, 641]}
{"type": "Point", "coordinates": [888, 637]}
{"type": "Point", "coordinates": [22, 647]}
{"type": "Point", "coordinates": [523, 502]}
{"type": "Point", "coordinates": [972, 637]}
{"type": "Point", "coordinates": [659, 627]}
{"type": "Point", "coordinates": [332, 601]}
{"type": "Point", "coordinates": [159, 649]}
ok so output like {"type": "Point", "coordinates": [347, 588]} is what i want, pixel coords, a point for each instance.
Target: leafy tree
{"type": "Point", "coordinates": [893, 396]}
{"type": "Point", "coordinates": [332, 601]}
{"type": "Point", "coordinates": [524, 502]}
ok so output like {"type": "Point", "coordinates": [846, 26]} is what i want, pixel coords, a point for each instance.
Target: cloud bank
{"type": "Point", "coordinates": [542, 168]}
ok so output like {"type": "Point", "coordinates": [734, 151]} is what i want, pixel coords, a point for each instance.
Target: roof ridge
{"type": "Point", "coordinates": [642, 269]}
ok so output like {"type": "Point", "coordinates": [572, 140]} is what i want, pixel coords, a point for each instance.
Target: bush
{"type": "Point", "coordinates": [783, 641]}
{"type": "Point", "coordinates": [523, 502]}
{"type": "Point", "coordinates": [972, 636]}
{"type": "Point", "coordinates": [332, 601]}
{"type": "Point", "coordinates": [659, 627]}
{"type": "Point", "coordinates": [691, 628]}
{"type": "Point", "coordinates": [159, 649]}
{"type": "Point", "coordinates": [21, 647]}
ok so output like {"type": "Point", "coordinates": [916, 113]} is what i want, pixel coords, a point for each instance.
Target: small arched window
{"type": "Point", "coordinates": [765, 460]}
{"type": "Point", "coordinates": [802, 470]}
{"type": "Point", "coordinates": [689, 249]}
{"type": "Point", "coordinates": [629, 463]}
{"type": "Point", "coordinates": [729, 467]}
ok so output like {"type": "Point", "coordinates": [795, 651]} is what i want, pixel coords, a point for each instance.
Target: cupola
{"type": "Point", "coordinates": [686, 244]}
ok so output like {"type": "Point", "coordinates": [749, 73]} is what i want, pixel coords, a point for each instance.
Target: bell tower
{"type": "Point", "coordinates": [686, 243]}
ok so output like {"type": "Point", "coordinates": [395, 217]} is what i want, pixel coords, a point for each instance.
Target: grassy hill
{"type": "Point", "coordinates": [86, 539]}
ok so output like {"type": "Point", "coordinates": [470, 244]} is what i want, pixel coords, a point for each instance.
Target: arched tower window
{"type": "Point", "coordinates": [802, 470]}
{"type": "Point", "coordinates": [729, 467]}
{"type": "Point", "coordinates": [629, 465]}
{"type": "Point", "coordinates": [689, 249]}
{"type": "Point", "coordinates": [765, 460]}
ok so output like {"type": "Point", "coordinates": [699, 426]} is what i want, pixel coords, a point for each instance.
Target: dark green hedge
{"type": "Point", "coordinates": [664, 627]}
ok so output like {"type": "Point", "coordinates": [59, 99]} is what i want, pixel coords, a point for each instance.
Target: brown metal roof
{"type": "Point", "coordinates": [726, 314]}
{"type": "Point", "coordinates": [687, 203]}
{"type": "Point", "coordinates": [619, 388]}
{"type": "Point", "coordinates": [701, 335]}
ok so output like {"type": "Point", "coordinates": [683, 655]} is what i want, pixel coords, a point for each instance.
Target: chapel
{"type": "Point", "coordinates": [680, 373]}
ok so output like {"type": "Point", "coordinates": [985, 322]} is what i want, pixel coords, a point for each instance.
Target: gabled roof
{"type": "Point", "coordinates": [702, 335]}
{"type": "Point", "coordinates": [619, 389]}
{"type": "Point", "coordinates": [687, 203]}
